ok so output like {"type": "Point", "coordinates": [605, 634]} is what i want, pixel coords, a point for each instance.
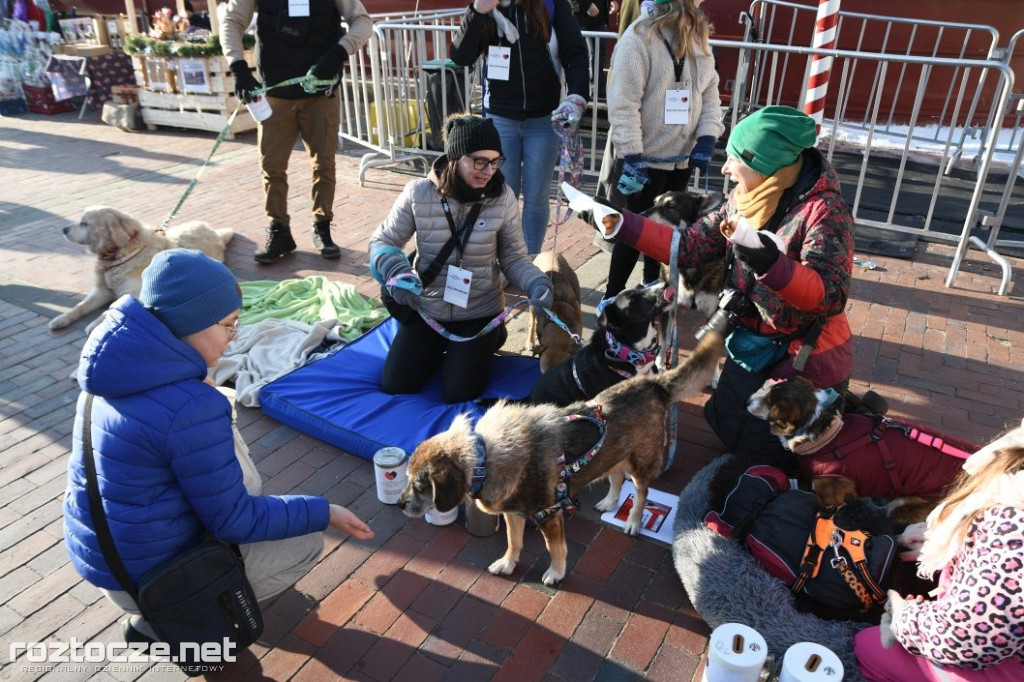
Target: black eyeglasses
{"type": "Point", "coordinates": [232, 328]}
{"type": "Point", "coordinates": [480, 162]}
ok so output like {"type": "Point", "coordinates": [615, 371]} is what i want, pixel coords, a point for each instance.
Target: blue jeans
{"type": "Point", "coordinates": [531, 150]}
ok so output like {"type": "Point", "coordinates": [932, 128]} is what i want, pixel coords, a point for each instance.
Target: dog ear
{"type": "Point", "coordinates": [449, 484]}
{"type": "Point", "coordinates": [711, 202]}
{"type": "Point", "coordinates": [122, 227]}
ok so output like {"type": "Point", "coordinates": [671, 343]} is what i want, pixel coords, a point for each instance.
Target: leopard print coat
{"type": "Point", "coordinates": [977, 620]}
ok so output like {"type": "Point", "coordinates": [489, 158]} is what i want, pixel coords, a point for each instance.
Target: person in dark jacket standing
{"type": "Point", "coordinates": [465, 199]}
{"type": "Point", "coordinates": [293, 39]}
{"type": "Point", "coordinates": [524, 96]}
{"type": "Point", "coordinates": [164, 444]}
{"type": "Point", "coordinates": [795, 273]}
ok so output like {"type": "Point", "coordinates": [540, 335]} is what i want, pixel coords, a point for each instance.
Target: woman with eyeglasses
{"type": "Point", "coordinates": [165, 449]}
{"type": "Point", "coordinates": [466, 223]}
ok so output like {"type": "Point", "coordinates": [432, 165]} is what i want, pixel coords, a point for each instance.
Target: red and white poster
{"type": "Point", "coordinates": [659, 512]}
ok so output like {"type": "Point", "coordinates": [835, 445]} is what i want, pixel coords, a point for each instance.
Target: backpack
{"type": "Point", "coordinates": [799, 542]}
{"type": "Point", "coordinates": [888, 458]}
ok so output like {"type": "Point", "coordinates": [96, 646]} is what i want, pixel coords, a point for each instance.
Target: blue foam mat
{"type": "Point", "coordinates": [339, 401]}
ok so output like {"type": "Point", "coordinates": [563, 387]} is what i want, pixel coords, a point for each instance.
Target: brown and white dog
{"type": "Point", "coordinates": [552, 343]}
{"type": "Point", "coordinates": [847, 455]}
{"type": "Point", "coordinates": [508, 462]}
{"type": "Point", "coordinates": [123, 248]}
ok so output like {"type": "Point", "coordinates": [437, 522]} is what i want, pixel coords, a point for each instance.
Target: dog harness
{"type": "Point", "coordinates": [827, 535]}
{"type": "Point", "coordinates": [563, 501]}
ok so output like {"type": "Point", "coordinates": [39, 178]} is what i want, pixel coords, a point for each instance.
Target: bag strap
{"type": "Point", "coordinates": [442, 257]}
{"type": "Point", "coordinates": [96, 511]}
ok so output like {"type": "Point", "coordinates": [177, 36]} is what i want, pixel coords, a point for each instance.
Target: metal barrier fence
{"type": "Point", "coordinates": [905, 177]}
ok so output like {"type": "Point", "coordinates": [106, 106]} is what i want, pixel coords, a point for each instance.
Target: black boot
{"type": "Point", "coordinates": [322, 240]}
{"type": "Point", "coordinates": [279, 243]}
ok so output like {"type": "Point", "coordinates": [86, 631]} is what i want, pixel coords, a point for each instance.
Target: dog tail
{"type": "Point", "coordinates": [691, 376]}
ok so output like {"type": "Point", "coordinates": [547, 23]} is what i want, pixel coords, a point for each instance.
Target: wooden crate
{"type": "Point", "coordinates": [198, 105]}
{"type": "Point", "coordinates": [199, 112]}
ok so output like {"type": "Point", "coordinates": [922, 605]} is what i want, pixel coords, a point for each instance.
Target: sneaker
{"type": "Point", "coordinates": [279, 243]}
{"type": "Point", "coordinates": [322, 240]}
{"type": "Point", "coordinates": [132, 636]}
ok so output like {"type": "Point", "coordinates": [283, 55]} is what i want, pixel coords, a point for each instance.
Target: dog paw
{"type": "Point", "coordinates": [607, 504]}
{"type": "Point", "coordinates": [59, 322]}
{"type": "Point", "coordinates": [503, 567]}
{"type": "Point", "coordinates": [631, 527]}
{"type": "Point", "coordinates": [552, 577]}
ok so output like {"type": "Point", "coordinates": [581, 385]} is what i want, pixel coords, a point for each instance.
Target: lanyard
{"type": "Point", "coordinates": [676, 63]}
{"type": "Point", "coordinates": [460, 236]}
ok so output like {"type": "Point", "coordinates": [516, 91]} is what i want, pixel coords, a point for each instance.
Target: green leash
{"type": "Point", "coordinates": [309, 84]}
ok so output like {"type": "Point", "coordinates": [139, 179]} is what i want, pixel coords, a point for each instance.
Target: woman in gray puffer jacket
{"type": "Point", "coordinates": [464, 198]}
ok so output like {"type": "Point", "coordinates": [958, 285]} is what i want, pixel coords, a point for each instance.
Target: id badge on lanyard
{"type": "Point", "coordinates": [677, 107]}
{"type": "Point", "coordinates": [677, 101]}
{"type": "Point", "coordinates": [298, 8]}
{"type": "Point", "coordinates": [456, 287]}
{"type": "Point", "coordinates": [498, 59]}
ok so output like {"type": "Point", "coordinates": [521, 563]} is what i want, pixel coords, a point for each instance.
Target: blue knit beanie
{"type": "Point", "coordinates": [189, 291]}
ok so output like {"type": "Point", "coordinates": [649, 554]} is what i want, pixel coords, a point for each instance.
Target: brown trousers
{"type": "Point", "coordinates": [315, 120]}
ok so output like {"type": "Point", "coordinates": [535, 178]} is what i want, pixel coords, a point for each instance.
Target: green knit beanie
{"type": "Point", "coordinates": [772, 138]}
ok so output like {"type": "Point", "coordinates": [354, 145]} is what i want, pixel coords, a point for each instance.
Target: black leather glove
{"type": "Point", "coordinates": [758, 260]}
{"type": "Point", "coordinates": [245, 82]}
{"type": "Point", "coordinates": [329, 65]}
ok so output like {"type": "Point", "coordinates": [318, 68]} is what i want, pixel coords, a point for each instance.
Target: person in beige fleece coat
{"type": "Point", "coordinates": [665, 115]}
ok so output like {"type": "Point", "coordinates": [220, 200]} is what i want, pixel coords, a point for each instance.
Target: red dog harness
{"type": "Point", "coordinates": [889, 458]}
{"type": "Point", "coordinates": [564, 501]}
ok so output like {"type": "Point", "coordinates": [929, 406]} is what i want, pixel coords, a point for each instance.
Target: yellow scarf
{"type": "Point", "coordinates": [759, 204]}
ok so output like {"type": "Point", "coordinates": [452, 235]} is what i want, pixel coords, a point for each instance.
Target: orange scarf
{"type": "Point", "coordinates": [759, 204]}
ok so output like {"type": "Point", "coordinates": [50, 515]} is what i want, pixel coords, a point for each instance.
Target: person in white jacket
{"type": "Point", "coordinates": [665, 116]}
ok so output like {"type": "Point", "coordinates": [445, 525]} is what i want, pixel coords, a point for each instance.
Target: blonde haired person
{"type": "Point", "coordinates": [973, 628]}
{"type": "Point", "coordinates": [665, 115]}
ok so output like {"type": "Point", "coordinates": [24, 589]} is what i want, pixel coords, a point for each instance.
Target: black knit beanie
{"type": "Point", "coordinates": [465, 134]}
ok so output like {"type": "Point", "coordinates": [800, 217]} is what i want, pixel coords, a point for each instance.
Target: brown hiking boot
{"type": "Point", "coordinates": [322, 240]}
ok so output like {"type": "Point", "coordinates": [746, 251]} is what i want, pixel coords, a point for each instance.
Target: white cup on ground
{"type": "Point", "coordinates": [736, 653]}
{"type": "Point", "coordinates": [439, 518]}
{"type": "Point", "coordinates": [811, 662]}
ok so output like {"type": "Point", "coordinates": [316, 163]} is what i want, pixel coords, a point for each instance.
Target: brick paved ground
{"type": "Point", "coordinates": [415, 603]}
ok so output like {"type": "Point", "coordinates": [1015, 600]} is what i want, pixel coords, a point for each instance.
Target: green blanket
{"type": "Point", "coordinates": [310, 300]}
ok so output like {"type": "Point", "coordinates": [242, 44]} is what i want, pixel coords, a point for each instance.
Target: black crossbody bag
{"type": "Point", "coordinates": [200, 596]}
{"type": "Point", "coordinates": [403, 313]}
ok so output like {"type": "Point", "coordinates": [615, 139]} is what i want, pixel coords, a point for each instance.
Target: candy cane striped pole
{"type": "Point", "coordinates": [824, 39]}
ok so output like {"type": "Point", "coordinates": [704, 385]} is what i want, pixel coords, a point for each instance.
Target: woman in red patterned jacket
{"type": "Point", "coordinates": [792, 277]}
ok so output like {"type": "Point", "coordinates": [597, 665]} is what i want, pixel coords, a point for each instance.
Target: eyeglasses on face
{"type": "Point", "coordinates": [232, 328]}
{"type": "Point", "coordinates": [480, 162]}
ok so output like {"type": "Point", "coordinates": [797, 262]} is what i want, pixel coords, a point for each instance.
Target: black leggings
{"type": "Point", "coordinates": [624, 257]}
{"type": "Point", "coordinates": [418, 351]}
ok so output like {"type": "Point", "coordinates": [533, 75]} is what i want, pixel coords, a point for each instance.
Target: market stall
{"type": "Point", "coordinates": [183, 77]}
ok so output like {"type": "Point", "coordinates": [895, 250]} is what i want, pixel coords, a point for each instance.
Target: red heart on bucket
{"type": "Point", "coordinates": [465, 281]}
{"type": "Point", "coordinates": [390, 475]}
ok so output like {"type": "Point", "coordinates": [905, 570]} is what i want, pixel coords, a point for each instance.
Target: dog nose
{"type": "Point", "coordinates": [401, 503]}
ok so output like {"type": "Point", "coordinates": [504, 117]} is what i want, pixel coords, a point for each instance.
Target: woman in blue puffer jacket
{"type": "Point", "coordinates": [164, 445]}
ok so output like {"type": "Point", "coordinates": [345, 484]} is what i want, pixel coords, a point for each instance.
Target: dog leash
{"type": "Point", "coordinates": [570, 159]}
{"type": "Point", "coordinates": [672, 346]}
{"type": "Point", "coordinates": [309, 83]}
{"type": "Point", "coordinates": [494, 323]}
